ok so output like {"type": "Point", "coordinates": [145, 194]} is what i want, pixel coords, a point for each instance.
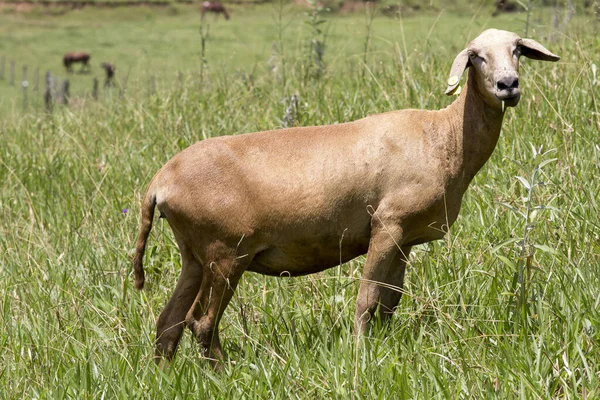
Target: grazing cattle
{"type": "Point", "coordinates": [76, 57]}
{"type": "Point", "coordinates": [504, 6]}
{"type": "Point", "coordinates": [297, 201]}
{"type": "Point", "coordinates": [215, 7]}
{"type": "Point", "coordinates": [109, 68]}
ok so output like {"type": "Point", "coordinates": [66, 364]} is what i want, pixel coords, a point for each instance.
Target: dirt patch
{"type": "Point", "coordinates": [349, 7]}
{"type": "Point", "coordinates": [18, 7]}
{"type": "Point", "coordinates": [29, 6]}
{"type": "Point", "coordinates": [304, 3]}
{"type": "Point", "coordinates": [390, 10]}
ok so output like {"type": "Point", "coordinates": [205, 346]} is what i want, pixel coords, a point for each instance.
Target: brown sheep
{"type": "Point", "coordinates": [297, 201]}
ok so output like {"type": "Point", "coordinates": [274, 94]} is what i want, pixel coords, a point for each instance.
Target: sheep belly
{"type": "Point", "coordinates": [302, 257]}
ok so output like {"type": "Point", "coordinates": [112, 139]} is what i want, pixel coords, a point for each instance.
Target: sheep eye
{"type": "Point", "coordinates": [474, 57]}
{"type": "Point", "coordinates": [517, 51]}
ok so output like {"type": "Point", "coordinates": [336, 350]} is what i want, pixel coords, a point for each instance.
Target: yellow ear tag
{"type": "Point", "coordinates": [457, 91]}
{"type": "Point", "coordinates": [453, 80]}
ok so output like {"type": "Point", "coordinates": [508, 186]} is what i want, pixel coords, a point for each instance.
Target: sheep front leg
{"type": "Point", "coordinates": [392, 292]}
{"type": "Point", "coordinates": [379, 268]}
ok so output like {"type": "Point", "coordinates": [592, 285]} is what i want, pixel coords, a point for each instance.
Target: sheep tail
{"type": "Point", "coordinates": [146, 225]}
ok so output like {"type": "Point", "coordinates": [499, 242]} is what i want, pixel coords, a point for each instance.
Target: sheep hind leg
{"type": "Point", "coordinates": [220, 279]}
{"type": "Point", "coordinates": [171, 321]}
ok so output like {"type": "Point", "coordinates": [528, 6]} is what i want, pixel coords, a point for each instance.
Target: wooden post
{"type": "Point", "coordinates": [24, 72]}
{"type": "Point", "coordinates": [123, 86]}
{"type": "Point", "coordinates": [152, 85]}
{"type": "Point", "coordinates": [65, 92]}
{"type": "Point", "coordinates": [95, 89]}
{"type": "Point", "coordinates": [12, 73]}
{"type": "Point", "coordinates": [36, 79]}
{"type": "Point", "coordinates": [24, 85]}
{"type": "Point", "coordinates": [48, 92]}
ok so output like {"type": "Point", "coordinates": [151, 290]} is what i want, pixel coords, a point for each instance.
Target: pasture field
{"type": "Point", "coordinates": [507, 306]}
{"type": "Point", "coordinates": [162, 43]}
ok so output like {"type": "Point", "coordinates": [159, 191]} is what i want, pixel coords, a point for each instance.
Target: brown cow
{"type": "Point", "coordinates": [504, 6]}
{"type": "Point", "coordinates": [76, 57]}
{"type": "Point", "coordinates": [214, 7]}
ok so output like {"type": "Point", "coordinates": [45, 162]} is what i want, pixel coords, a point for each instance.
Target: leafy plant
{"type": "Point", "coordinates": [318, 36]}
{"type": "Point", "coordinates": [528, 211]}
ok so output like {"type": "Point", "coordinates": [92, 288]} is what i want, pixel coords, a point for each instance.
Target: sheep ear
{"type": "Point", "coordinates": [532, 49]}
{"type": "Point", "coordinates": [458, 67]}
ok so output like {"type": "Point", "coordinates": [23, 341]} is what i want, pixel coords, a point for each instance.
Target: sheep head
{"type": "Point", "coordinates": [494, 56]}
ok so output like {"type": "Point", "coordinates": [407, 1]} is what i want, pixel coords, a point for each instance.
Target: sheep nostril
{"type": "Point", "coordinates": [508, 83]}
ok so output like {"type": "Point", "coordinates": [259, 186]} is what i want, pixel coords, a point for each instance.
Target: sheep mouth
{"type": "Point", "coordinates": [509, 99]}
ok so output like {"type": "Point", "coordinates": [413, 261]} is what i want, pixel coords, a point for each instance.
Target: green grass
{"type": "Point", "coordinates": [72, 326]}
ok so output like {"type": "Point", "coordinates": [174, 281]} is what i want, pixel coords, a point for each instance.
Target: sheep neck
{"type": "Point", "coordinates": [476, 130]}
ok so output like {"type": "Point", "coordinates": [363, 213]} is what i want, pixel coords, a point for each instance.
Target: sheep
{"type": "Point", "coordinates": [298, 201]}
{"type": "Point", "coordinates": [76, 57]}
{"type": "Point", "coordinates": [214, 7]}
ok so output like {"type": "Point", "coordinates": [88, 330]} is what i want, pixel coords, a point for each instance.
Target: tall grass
{"type": "Point", "coordinates": [74, 327]}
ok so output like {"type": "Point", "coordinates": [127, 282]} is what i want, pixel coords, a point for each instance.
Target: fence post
{"type": "Point", "coordinates": [152, 85]}
{"type": "Point", "coordinates": [95, 89]}
{"type": "Point", "coordinates": [48, 92]}
{"type": "Point", "coordinates": [12, 73]}
{"type": "Point", "coordinates": [2, 62]}
{"type": "Point", "coordinates": [65, 92]}
{"type": "Point", "coordinates": [24, 84]}
{"type": "Point", "coordinates": [36, 79]}
{"type": "Point", "coordinates": [123, 86]}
